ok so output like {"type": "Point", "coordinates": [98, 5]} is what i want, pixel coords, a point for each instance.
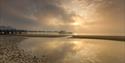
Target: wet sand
{"type": "Point", "coordinates": [100, 37]}
{"type": "Point", "coordinates": [11, 53]}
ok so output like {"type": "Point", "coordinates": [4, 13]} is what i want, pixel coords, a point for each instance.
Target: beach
{"type": "Point", "coordinates": [11, 53]}
{"type": "Point", "coordinates": [18, 49]}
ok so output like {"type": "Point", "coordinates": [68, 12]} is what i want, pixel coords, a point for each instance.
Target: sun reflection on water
{"type": "Point", "coordinates": [75, 51]}
{"type": "Point", "coordinates": [85, 52]}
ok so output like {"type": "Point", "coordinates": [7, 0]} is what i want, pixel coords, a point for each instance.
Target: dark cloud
{"type": "Point", "coordinates": [14, 11]}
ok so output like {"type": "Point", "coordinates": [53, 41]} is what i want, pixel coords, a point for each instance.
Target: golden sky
{"type": "Point", "coordinates": [79, 16]}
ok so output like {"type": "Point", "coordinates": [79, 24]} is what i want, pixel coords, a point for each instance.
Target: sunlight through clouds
{"type": "Point", "coordinates": [78, 16]}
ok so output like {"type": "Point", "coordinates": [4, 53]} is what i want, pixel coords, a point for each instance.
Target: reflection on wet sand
{"type": "Point", "coordinates": [60, 50]}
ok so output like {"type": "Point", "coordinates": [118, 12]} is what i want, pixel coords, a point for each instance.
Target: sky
{"type": "Point", "coordinates": [78, 16]}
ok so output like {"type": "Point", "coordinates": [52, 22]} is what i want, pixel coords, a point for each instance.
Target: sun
{"type": "Point", "coordinates": [78, 21]}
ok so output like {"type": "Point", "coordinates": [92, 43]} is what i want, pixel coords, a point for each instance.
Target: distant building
{"type": "Point", "coordinates": [64, 32]}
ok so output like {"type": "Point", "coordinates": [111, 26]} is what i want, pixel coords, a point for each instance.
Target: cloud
{"type": "Point", "coordinates": [95, 15]}
{"type": "Point", "coordinates": [30, 12]}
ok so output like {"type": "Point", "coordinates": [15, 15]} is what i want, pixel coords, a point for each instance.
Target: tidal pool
{"type": "Point", "coordinates": [63, 50]}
